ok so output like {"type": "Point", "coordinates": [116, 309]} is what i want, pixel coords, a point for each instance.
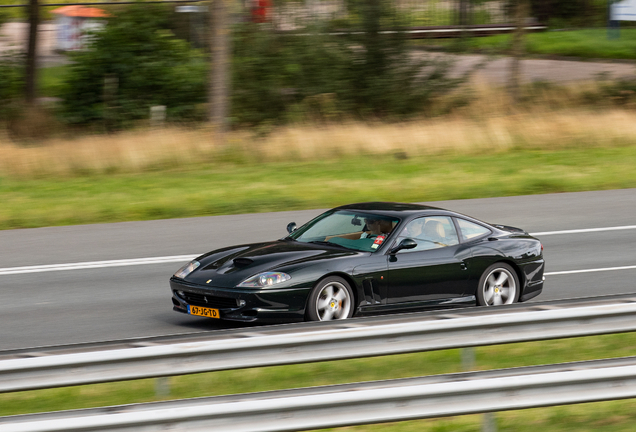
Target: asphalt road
{"type": "Point", "coordinates": [107, 303]}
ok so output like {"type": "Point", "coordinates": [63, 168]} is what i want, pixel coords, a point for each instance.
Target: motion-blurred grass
{"type": "Point", "coordinates": [588, 43]}
{"type": "Point", "coordinates": [607, 416]}
{"type": "Point", "coordinates": [234, 188]}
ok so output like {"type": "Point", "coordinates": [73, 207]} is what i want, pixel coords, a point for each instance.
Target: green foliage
{"type": "Point", "coordinates": [570, 13]}
{"type": "Point", "coordinates": [11, 81]}
{"type": "Point", "coordinates": [136, 62]}
{"type": "Point", "coordinates": [131, 65]}
{"type": "Point", "coordinates": [280, 77]}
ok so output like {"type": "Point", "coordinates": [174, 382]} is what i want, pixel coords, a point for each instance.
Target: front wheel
{"type": "Point", "coordinates": [499, 285]}
{"type": "Point", "coordinates": [331, 299]}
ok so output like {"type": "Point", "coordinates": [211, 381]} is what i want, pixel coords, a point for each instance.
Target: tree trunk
{"type": "Point", "coordinates": [31, 66]}
{"type": "Point", "coordinates": [220, 68]}
{"type": "Point", "coordinates": [518, 49]}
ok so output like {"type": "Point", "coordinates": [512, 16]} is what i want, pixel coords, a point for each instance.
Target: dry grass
{"type": "Point", "coordinates": [134, 151]}
{"type": "Point", "coordinates": [530, 130]}
{"type": "Point", "coordinates": [487, 124]}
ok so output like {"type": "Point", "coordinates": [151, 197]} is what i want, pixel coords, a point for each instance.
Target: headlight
{"type": "Point", "coordinates": [265, 279]}
{"type": "Point", "coordinates": [187, 269]}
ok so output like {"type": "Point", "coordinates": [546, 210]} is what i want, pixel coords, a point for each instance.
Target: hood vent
{"type": "Point", "coordinates": [242, 262]}
{"type": "Point", "coordinates": [215, 265]}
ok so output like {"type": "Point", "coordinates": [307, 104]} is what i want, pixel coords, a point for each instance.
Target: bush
{"type": "Point", "coordinates": [279, 76]}
{"type": "Point", "coordinates": [134, 63]}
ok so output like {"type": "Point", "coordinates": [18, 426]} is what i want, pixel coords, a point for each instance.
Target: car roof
{"type": "Point", "coordinates": [394, 209]}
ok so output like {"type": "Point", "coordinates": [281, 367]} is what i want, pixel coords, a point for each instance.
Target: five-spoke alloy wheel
{"type": "Point", "coordinates": [499, 285]}
{"type": "Point", "coordinates": [331, 299]}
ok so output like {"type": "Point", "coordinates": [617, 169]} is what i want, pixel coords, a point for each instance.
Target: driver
{"type": "Point", "coordinates": [374, 228]}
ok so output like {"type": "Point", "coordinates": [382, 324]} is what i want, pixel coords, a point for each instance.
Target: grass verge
{"type": "Point", "coordinates": [233, 188]}
{"type": "Point", "coordinates": [589, 43]}
{"type": "Point", "coordinates": [607, 416]}
{"type": "Point", "coordinates": [487, 148]}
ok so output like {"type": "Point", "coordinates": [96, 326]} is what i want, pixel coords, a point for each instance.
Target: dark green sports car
{"type": "Point", "coordinates": [364, 259]}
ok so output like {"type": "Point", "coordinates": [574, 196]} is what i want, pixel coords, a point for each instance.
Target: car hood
{"type": "Point", "coordinates": [228, 267]}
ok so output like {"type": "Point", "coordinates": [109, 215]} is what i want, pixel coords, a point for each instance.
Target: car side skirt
{"type": "Point", "coordinates": [457, 302]}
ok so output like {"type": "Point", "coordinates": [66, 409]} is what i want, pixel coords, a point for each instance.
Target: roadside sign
{"type": "Point", "coordinates": [623, 11]}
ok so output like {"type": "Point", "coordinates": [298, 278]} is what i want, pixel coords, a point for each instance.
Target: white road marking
{"type": "Point", "coordinates": [96, 264]}
{"type": "Point", "coordinates": [589, 270]}
{"type": "Point", "coordinates": [587, 230]}
{"type": "Point", "coordinates": [186, 258]}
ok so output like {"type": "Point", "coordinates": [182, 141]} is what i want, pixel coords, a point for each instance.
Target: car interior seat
{"type": "Point", "coordinates": [434, 231]}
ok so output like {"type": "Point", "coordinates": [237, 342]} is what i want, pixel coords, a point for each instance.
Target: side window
{"type": "Point", "coordinates": [471, 230]}
{"type": "Point", "coordinates": [430, 232]}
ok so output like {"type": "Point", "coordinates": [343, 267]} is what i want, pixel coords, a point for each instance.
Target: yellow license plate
{"type": "Point", "coordinates": [204, 312]}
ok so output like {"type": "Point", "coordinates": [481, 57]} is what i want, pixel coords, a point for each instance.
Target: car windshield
{"type": "Point", "coordinates": [352, 230]}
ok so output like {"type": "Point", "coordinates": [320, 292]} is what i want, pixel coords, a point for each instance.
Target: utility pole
{"type": "Point", "coordinates": [463, 13]}
{"type": "Point", "coordinates": [464, 21]}
{"type": "Point", "coordinates": [31, 66]}
{"type": "Point", "coordinates": [518, 49]}
{"type": "Point", "coordinates": [220, 70]}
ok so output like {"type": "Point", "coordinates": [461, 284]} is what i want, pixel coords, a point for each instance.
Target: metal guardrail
{"type": "Point", "coordinates": [361, 403]}
{"type": "Point", "coordinates": [320, 342]}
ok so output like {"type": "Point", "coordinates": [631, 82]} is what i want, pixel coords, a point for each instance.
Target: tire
{"type": "Point", "coordinates": [331, 299]}
{"type": "Point", "coordinates": [499, 285]}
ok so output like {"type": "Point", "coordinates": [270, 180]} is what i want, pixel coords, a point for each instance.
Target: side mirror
{"type": "Point", "coordinates": [406, 243]}
{"type": "Point", "coordinates": [291, 227]}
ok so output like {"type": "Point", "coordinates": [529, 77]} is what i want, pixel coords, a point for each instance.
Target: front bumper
{"type": "Point", "coordinates": [239, 304]}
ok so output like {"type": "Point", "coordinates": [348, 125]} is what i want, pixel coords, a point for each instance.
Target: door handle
{"type": "Point", "coordinates": [463, 266]}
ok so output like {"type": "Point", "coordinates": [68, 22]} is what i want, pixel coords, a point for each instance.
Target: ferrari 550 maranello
{"type": "Point", "coordinates": [364, 259]}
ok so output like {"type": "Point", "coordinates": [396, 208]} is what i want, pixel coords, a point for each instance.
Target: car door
{"type": "Point", "coordinates": [436, 269]}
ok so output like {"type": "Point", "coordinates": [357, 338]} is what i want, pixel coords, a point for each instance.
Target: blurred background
{"type": "Point", "coordinates": [134, 88]}
{"type": "Point", "coordinates": [133, 111]}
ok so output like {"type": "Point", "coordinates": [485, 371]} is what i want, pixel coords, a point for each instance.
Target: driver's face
{"type": "Point", "coordinates": [373, 225]}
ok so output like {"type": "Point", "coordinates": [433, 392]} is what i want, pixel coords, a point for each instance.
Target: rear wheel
{"type": "Point", "coordinates": [331, 299]}
{"type": "Point", "coordinates": [499, 285]}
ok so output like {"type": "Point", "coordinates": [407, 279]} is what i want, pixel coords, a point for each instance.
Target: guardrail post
{"type": "Point", "coordinates": [488, 420]}
{"type": "Point", "coordinates": [162, 387]}
{"type": "Point", "coordinates": [468, 359]}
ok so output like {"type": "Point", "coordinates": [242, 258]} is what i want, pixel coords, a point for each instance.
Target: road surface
{"type": "Point", "coordinates": [115, 301]}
